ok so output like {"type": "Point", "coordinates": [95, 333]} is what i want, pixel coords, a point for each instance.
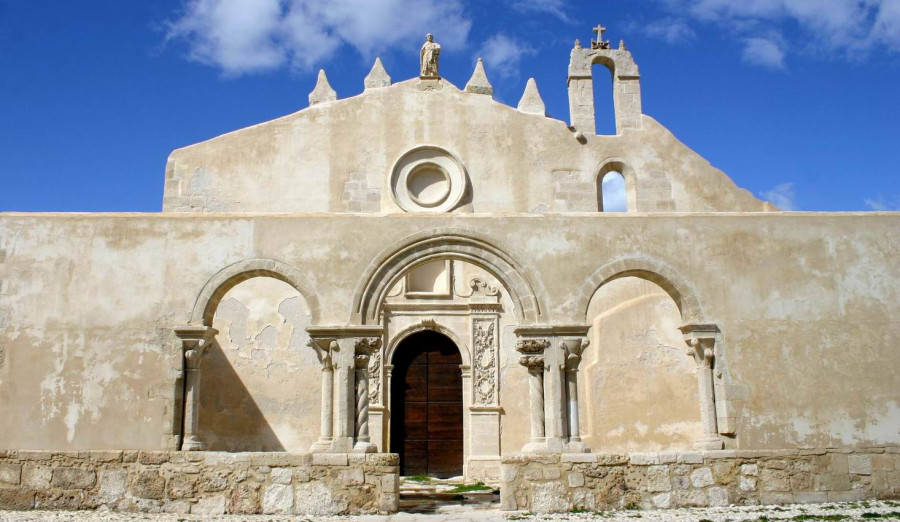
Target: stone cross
{"type": "Point", "coordinates": [599, 43]}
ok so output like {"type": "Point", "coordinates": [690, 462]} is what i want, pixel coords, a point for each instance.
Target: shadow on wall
{"type": "Point", "coordinates": [230, 419]}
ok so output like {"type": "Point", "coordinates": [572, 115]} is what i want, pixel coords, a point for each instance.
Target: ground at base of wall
{"type": "Point", "coordinates": [849, 511]}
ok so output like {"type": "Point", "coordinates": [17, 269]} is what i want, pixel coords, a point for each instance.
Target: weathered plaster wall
{"type": "Point", "coordinates": [338, 157]}
{"type": "Point", "coordinates": [260, 385]}
{"type": "Point", "coordinates": [641, 382]}
{"type": "Point", "coordinates": [803, 301]}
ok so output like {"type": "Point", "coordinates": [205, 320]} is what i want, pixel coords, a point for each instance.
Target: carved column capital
{"type": "Point", "coordinates": [573, 348]}
{"type": "Point", "coordinates": [534, 363]}
{"type": "Point", "coordinates": [701, 341]}
{"type": "Point", "coordinates": [532, 346]}
{"type": "Point", "coordinates": [194, 342]}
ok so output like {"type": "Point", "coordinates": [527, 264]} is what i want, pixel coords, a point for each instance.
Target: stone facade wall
{"type": "Point", "coordinates": [562, 483]}
{"type": "Point", "coordinates": [200, 482]}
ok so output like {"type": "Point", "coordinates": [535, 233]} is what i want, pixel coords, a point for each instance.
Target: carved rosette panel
{"type": "Point", "coordinates": [375, 378]}
{"type": "Point", "coordinates": [484, 340]}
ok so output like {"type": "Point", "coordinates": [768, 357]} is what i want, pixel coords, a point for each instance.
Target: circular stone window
{"type": "Point", "coordinates": [428, 179]}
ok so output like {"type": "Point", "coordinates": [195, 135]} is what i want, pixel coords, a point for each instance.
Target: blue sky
{"type": "Point", "coordinates": [797, 100]}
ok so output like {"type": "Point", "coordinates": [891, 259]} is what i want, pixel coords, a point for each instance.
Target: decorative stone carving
{"type": "Point", "coordinates": [429, 59]}
{"type": "Point", "coordinates": [428, 179]}
{"type": "Point", "coordinates": [532, 346]}
{"type": "Point", "coordinates": [375, 378]}
{"type": "Point", "coordinates": [485, 360]}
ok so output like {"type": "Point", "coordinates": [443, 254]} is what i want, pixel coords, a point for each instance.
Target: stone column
{"type": "Point", "coordinates": [364, 349]}
{"type": "Point", "coordinates": [701, 339]}
{"type": "Point", "coordinates": [194, 342]}
{"type": "Point", "coordinates": [532, 351]}
{"type": "Point", "coordinates": [326, 434]}
{"type": "Point", "coordinates": [573, 349]}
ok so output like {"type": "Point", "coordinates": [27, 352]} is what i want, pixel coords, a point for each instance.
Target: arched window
{"type": "Point", "coordinates": [611, 192]}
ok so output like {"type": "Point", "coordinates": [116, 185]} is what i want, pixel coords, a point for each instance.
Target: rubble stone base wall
{"type": "Point", "coordinates": [200, 482]}
{"type": "Point", "coordinates": [593, 482]}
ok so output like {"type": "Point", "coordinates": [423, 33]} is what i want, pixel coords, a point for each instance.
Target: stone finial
{"type": "Point", "coordinates": [479, 83]}
{"type": "Point", "coordinates": [322, 92]}
{"type": "Point", "coordinates": [622, 45]}
{"type": "Point", "coordinates": [531, 101]}
{"type": "Point", "coordinates": [377, 77]}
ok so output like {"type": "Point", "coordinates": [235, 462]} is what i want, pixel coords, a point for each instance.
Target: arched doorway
{"type": "Point", "coordinates": [427, 406]}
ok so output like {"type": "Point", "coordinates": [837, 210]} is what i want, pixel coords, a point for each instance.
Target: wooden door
{"type": "Point", "coordinates": [426, 406]}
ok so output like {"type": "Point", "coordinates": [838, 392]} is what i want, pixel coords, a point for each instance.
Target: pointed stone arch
{"type": "Point", "coordinates": [654, 270]}
{"type": "Point", "coordinates": [227, 278]}
{"type": "Point", "coordinates": [447, 243]}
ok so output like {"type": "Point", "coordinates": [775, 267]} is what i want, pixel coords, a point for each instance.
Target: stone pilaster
{"type": "Point", "coordinates": [349, 409]}
{"type": "Point", "coordinates": [365, 347]}
{"type": "Point", "coordinates": [194, 342]}
{"type": "Point", "coordinates": [532, 351]}
{"type": "Point", "coordinates": [701, 340]}
{"type": "Point", "coordinates": [326, 432]}
{"type": "Point", "coordinates": [573, 348]}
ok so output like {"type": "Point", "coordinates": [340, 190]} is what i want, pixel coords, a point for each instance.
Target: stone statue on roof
{"type": "Point", "coordinates": [428, 58]}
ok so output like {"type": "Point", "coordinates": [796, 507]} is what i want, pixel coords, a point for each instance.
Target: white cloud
{"type": "Point", "coordinates": [764, 52]}
{"type": "Point", "coordinates": [849, 29]}
{"type": "Point", "coordinates": [781, 196]}
{"type": "Point", "coordinates": [613, 190]}
{"type": "Point", "coordinates": [502, 55]}
{"type": "Point", "coordinates": [671, 30]}
{"type": "Point", "coordinates": [554, 7]}
{"type": "Point", "coordinates": [245, 36]}
{"type": "Point", "coordinates": [881, 206]}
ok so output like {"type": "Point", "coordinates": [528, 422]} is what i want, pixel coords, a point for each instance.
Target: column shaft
{"type": "Point", "coordinates": [572, 392]}
{"type": "Point", "coordinates": [191, 411]}
{"type": "Point", "coordinates": [536, 403]}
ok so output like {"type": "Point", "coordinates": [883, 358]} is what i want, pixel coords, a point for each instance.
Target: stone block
{"type": "Point", "coordinates": [612, 460]}
{"type": "Point", "coordinates": [176, 507]}
{"type": "Point", "coordinates": [702, 477]}
{"type": "Point", "coordinates": [662, 501]}
{"type": "Point", "coordinates": [153, 457]}
{"type": "Point", "coordinates": [390, 484]}
{"type": "Point", "coordinates": [16, 499]}
{"type": "Point", "coordinates": [212, 481]}
{"type": "Point", "coordinates": [508, 473]}
{"type": "Point", "coordinates": [747, 484]}
{"type": "Point", "coordinates": [182, 486]}
{"type": "Point", "coordinates": [282, 475]}
{"type": "Point", "coordinates": [668, 458]}
{"type": "Point", "coordinates": [552, 474]}
{"type": "Point", "coordinates": [776, 497]}
{"type": "Point", "coordinates": [209, 506]}
{"type": "Point", "coordinates": [389, 503]}
{"type": "Point", "coordinates": [810, 497]}
{"type": "Point", "coordinates": [775, 480]}
{"type": "Point", "coordinates": [106, 456]}
{"type": "Point", "coordinates": [750, 470]}
{"type": "Point", "coordinates": [244, 499]}
{"type": "Point", "coordinates": [657, 479]}
{"type": "Point", "coordinates": [533, 473]}
{"type": "Point", "coordinates": [331, 459]}
{"type": "Point", "coordinates": [36, 477]}
{"type": "Point", "coordinates": [113, 483]}
{"type": "Point", "coordinates": [833, 482]}
{"type": "Point", "coordinates": [352, 477]}
{"type": "Point", "coordinates": [846, 496]}
{"type": "Point", "coordinates": [884, 462]}
{"type": "Point", "coordinates": [10, 474]}
{"type": "Point", "coordinates": [59, 499]}
{"type": "Point", "coordinates": [643, 459]}
{"type": "Point", "coordinates": [147, 484]}
{"type": "Point", "coordinates": [691, 458]}
{"type": "Point", "coordinates": [578, 457]}
{"type": "Point", "coordinates": [718, 496]}
{"type": "Point", "coordinates": [859, 464]}
{"type": "Point", "coordinates": [838, 463]}
{"type": "Point", "coordinates": [691, 498]}
{"type": "Point", "coordinates": [575, 479]}
{"type": "Point", "coordinates": [279, 499]}
{"type": "Point", "coordinates": [549, 497]}
{"type": "Point", "coordinates": [73, 478]}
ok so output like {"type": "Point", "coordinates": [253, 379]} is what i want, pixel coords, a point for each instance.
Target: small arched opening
{"type": "Point", "coordinates": [615, 188]}
{"type": "Point", "coordinates": [427, 405]}
{"type": "Point", "coordinates": [604, 107]}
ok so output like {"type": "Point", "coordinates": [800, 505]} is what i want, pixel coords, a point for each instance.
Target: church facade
{"type": "Point", "coordinates": [420, 280]}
